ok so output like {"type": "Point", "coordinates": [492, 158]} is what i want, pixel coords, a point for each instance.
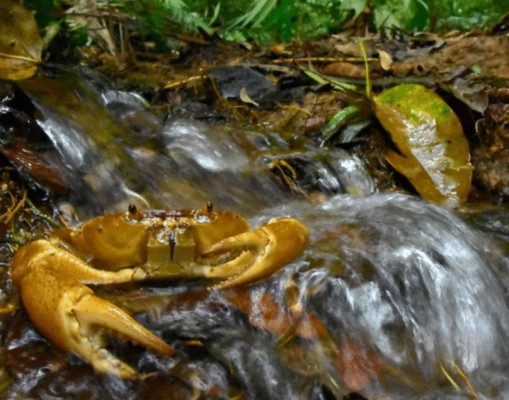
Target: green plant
{"type": "Point", "coordinates": [266, 21]}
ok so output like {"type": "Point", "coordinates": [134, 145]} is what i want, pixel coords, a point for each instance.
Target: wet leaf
{"type": "Point", "coordinates": [20, 42]}
{"type": "Point", "coordinates": [263, 312]}
{"type": "Point", "coordinates": [473, 94]}
{"type": "Point", "coordinates": [434, 154]}
{"type": "Point", "coordinates": [36, 166]}
{"type": "Point", "coordinates": [243, 83]}
{"type": "Point", "coordinates": [358, 366]}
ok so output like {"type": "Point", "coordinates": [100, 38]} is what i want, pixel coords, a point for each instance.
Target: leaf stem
{"type": "Point", "coordinates": [21, 58]}
{"type": "Point", "coordinates": [366, 68]}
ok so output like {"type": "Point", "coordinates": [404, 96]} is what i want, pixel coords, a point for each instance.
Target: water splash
{"type": "Point", "coordinates": [416, 283]}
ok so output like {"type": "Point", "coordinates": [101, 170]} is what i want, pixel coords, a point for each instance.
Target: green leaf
{"type": "Point", "coordinates": [336, 83]}
{"type": "Point", "coordinates": [465, 15]}
{"type": "Point", "coordinates": [356, 5]}
{"type": "Point", "coordinates": [258, 12]}
{"type": "Point", "coordinates": [407, 15]}
{"type": "Point", "coordinates": [340, 119]}
{"type": "Point", "coordinates": [433, 152]}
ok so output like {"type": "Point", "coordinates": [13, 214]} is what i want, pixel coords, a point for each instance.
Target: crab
{"type": "Point", "coordinates": [52, 275]}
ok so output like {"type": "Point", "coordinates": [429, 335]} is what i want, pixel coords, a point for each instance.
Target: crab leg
{"type": "Point", "coordinates": [68, 313]}
{"type": "Point", "coordinates": [257, 254]}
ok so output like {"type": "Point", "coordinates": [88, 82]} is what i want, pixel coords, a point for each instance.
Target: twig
{"type": "Point", "coordinates": [182, 82]}
{"type": "Point", "coordinates": [323, 59]}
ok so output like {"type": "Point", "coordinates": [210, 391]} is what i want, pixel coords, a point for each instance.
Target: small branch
{"type": "Point", "coordinates": [323, 59]}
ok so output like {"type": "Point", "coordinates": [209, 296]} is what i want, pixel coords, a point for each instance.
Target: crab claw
{"type": "Point", "coordinates": [253, 256]}
{"type": "Point", "coordinates": [68, 313]}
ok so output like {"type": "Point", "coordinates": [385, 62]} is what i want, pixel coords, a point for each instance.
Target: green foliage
{"type": "Point", "coordinates": [436, 15]}
{"type": "Point", "coordinates": [256, 15]}
{"type": "Point", "coordinates": [159, 19]}
{"type": "Point", "coordinates": [179, 12]}
{"type": "Point", "coordinates": [287, 20]}
{"type": "Point", "coordinates": [270, 21]}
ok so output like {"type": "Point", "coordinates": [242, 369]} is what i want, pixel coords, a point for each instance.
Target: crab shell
{"type": "Point", "coordinates": [52, 274]}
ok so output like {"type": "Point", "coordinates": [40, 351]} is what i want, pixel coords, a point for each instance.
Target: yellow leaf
{"type": "Point", "coordinates": [385, 60]}
{"type": "Point", "coordinates": [434, 154]}
{"type": "Point", "coordinates": [20, 42]}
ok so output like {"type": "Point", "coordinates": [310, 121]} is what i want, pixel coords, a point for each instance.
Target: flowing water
{"type": "Point", "coordinates": [393, 298]}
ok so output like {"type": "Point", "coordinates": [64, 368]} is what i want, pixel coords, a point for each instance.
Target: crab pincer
{"type": "Point", "coordinates": [255, 255]}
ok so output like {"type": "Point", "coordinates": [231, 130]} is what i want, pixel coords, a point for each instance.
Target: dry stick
{"type": "Point", "coordinates": [323, 59]}
{"type": "Point", "coordinates": [182, 82]}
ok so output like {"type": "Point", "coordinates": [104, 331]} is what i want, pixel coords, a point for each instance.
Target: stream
{"type": "Point", "coordinates": [393, 297]}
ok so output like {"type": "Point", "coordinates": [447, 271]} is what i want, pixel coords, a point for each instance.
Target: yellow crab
{"type": "Point", "coordinates": [51, 274]}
